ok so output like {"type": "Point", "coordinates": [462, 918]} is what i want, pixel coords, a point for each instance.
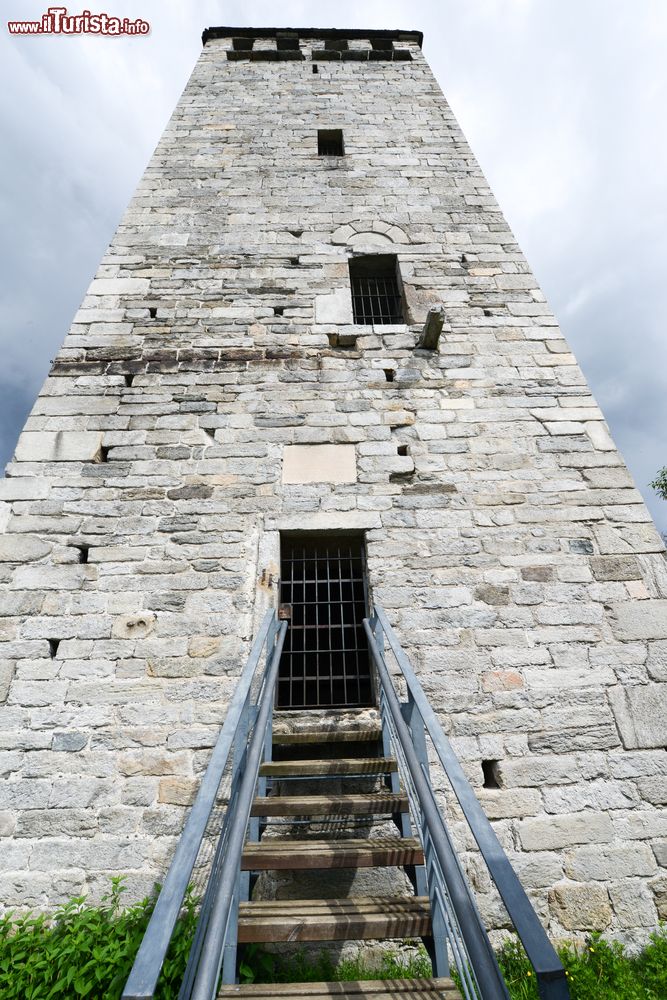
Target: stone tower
{"type": "Point", "coordinates": [314, 334]}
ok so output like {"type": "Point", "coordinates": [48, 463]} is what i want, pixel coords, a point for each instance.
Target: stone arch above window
{"type": "Point", "coordinates": [377, 234]}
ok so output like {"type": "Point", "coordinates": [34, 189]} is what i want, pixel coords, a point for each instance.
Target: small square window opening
{"type": "Point", "coordinates": [336, 45]}
{"type": "Point", "coordinates": [382, 44]}
{"type": "Point", "coordinates": [243, 44]}
{"type": "Point", "coordinates": [330, 142]}
{"type": "Point", "coordinates": [376, 289]}
{"type": "Point", "coordinates": [287, 43]}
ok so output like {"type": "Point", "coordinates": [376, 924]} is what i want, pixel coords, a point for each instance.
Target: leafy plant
{"type": "Point", "coordinates": [84, 950]}
{"type": "Point", "coordinates": [659, 484]}
{"type": "Point", "coordinates": [600, 970]}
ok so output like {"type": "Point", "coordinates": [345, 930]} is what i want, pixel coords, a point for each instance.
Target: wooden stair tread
{"type": "Point", "coordinates": [315, 768]}
{"type": "Point", "coordinates": [379, 989]}
{"type": "Point", "coordinates": [327, 736]}
{"type": "Point", "coordinates": [334, 919]}
{"type": "Point", "coordinates": [375, 803]}
{"type": "Point", "coordinates": [272, 854]}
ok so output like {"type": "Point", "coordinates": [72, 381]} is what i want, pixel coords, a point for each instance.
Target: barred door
{"type": "Point", "coordinates": [323, 589]}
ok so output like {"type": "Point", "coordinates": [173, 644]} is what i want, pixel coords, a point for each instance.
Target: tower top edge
{"type": "Point", "coordinates": [316, 33]}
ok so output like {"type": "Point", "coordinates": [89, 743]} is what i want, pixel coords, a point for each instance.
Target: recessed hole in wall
{"type": "Point", "coordinates": [295, 232]}
{"type": "Point", "coordinates": [330, 142]}
{"type": "Point", "coordinates": [490, 772]}
{"type": "Point", "coordinates": [287, 43]}
{"type": "Point", "coordinates": [390, 374]}
{"type": "Point", "coordinates": [104, 454]}
{"type": "Point", "coordinates": [278, 310]}
{"type": "Point", "coordinates": [129, 379]}
{"type": "Point", "coordinates": [53, 647]}
{"type": "Point", "coordinates": [316, 68]}
{"type": "Point", "coordinates": [210, 431]}
{"type": "Point", "coordinates": [294, 261]}
{"type": "Point", "coordinates": [402, 449]}
{"type": "Point", "coordinates": [342, 341]}
{"type": "Point", "coordinates": [487, 312]}
{"type": "Point", "coordinates": [152, 311]}
{"type": "Point", "coordinates": [83, 551]}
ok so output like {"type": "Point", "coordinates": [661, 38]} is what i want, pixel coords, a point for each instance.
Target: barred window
{"type": "Point", "coordinates": [376, 290]}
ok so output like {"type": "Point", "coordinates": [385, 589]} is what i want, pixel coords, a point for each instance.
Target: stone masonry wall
{"type": "Point", "coordinates": [143, 508]}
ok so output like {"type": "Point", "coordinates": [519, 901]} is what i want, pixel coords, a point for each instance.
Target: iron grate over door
{"type": "Point", "coordinates": [325, 659]}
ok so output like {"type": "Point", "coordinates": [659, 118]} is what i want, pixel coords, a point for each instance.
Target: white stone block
{"type": "Point", "coordinates": [59, 446]}
{"type": "Point", "coordinates": [22, 548]}
{"type": "Point", "coordinates": [334, 308]}
{"type": "Point", "coordinates": [119, 286]}
{"type": "Point", "coordinates": [319, 463]}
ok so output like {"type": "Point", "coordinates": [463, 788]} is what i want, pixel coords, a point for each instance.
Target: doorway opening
{"type": "Point", "coordinates": [324, 596]}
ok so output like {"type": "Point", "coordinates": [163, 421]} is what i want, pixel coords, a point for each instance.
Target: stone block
{"type": "Point", "coordinates": [646, 620]}
{"type": "Point", "coordinates": [653, 789]}
{"type": "Point", "coordinates": [555, 832]}
{"type": "Point", "coordinates": [69, 742]}
{"type": "Point", "coordinates": [177, 791]}
{"type": "Point", "coordinates": [605, 863]}
{"type": "Point", "coordinates": [59, 446]}
{"type": "Point", "coordinates": [6, 676]}
{"type": "Point", "coordinates": [22, 548]}
{"type": "Point", "coordinates": [133, 626]}
{"type": "Point", "coordinates": [641, 714]}
{"type": "Point", "coordinates": [600, 436]}
{"type": "Point", "coordinates": [580, 907]}
{"type": "Point", "coordinates": [58, 578]}
{"type": "Point", "coordinates": [119, 286]}
{"type": "Point", "coordinates": [634, 904]}
{"type": "Point", "coordinates": [335, 307]}
{"type": "Point", "coordinates": [615, 568]}
{"type": "Point", "coordinates": [24, 488]}
{"type": "Point", "coordinates": [319, 463]}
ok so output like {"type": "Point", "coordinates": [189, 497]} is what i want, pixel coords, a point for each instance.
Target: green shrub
{"type": "Point", "coordinates": [84, 950]}
{"type": "Point", "coordinates": [87, 951]}
{"type": "Point", "coordinates": [600, 970]}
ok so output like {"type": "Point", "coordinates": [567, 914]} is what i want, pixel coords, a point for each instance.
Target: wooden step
{"type": "Point", "coordinates": [327, 736]}
{"type": "Point", "coordinates": [335, 919]}
{"type": "Point", "coordinates": [377, 989]}
{"type": "Point", "coordinates": [272, 854]}
{"type": "Point", "coordinates": [375, 804]}
{"type": "Point", "coordinates": [323, 768]}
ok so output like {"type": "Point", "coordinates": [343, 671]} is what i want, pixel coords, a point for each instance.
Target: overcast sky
{"type": "Point", "coordinates": [563, 102]}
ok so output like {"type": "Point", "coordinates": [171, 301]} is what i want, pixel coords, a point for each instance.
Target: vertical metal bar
{"type": "Point", "coordinates": [230, 945]}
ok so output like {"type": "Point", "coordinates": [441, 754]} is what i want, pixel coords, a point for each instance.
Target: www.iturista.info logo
{"type": "Point", "coordinates": [57, 21]}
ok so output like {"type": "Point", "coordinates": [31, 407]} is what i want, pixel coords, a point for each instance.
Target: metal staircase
{"type": "Point", "coordinates": [318, 787]}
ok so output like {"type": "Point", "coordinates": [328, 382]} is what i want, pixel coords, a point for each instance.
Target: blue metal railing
{"type": "Point", "coordinates": [245, 738]}
{"type": "Point", "coordinates": [244, 742]}
{"type": "Point", "coordinates": [457, 925]}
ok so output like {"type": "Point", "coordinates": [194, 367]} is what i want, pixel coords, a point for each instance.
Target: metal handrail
{"type": "Point", "coordinates": [211, 955]}
{"type": "Point", "coordinates": [476, 940]}
{"type": "Point", "coordinates": [549, 971]}
{"type": "Point", "coordinates": [143, 978]}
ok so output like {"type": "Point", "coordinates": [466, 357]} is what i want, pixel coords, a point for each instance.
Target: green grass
{"type": "Point", "coordinates": [600, 970]}
{"type": "Point", "coordinates": [262, 966]}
